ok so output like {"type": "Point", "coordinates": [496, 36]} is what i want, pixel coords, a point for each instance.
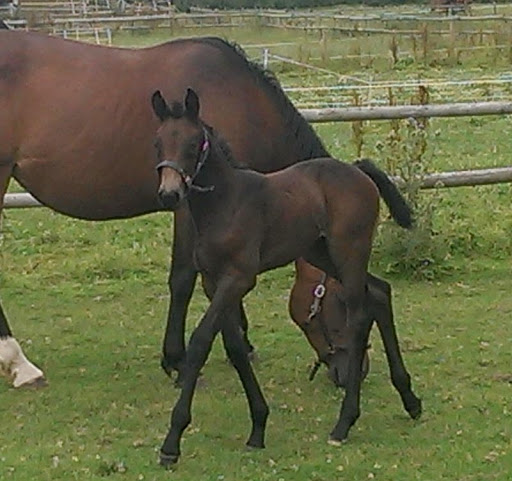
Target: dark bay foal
{"type": "Point", "coordinates": [322, 210]}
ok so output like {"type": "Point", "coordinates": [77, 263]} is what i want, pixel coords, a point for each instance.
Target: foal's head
{"type": "Point", "coordinates": [182, 144]}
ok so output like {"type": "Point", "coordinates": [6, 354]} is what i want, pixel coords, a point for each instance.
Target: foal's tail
{"type": "Point", "coordinates": [397, 205]}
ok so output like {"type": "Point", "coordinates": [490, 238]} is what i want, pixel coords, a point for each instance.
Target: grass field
{"type": "Point", "coordinates": [88, 301]}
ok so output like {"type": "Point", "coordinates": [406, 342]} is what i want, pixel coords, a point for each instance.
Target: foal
{"type": "Point", "coordinates": [248, 223]}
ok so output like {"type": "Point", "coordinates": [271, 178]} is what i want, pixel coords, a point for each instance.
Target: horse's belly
{"type": "Point", "coordinates": [89, 193]}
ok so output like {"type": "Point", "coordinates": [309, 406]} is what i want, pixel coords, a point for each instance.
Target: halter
{"type": "Point", "coordinates": [187, 179]}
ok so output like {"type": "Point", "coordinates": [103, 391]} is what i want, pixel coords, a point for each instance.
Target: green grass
{"type": "Point", "coordinates": [89, 307]}
{"type": "Point", "coordinates": [88, 302]}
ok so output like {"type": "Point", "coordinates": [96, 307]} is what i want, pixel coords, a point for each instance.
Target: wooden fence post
{"type": "Point", "coordinates": [424, 39]}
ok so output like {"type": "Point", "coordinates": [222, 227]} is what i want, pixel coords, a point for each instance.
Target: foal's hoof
{"type": "Point", "coordinates": [168, 460]}
{"type": "Point", "coordinates": [415, 409]}
{"type": "Point", "coordinates": [336, 442]}
{"type": "Point", "coordinates": [38, 383]}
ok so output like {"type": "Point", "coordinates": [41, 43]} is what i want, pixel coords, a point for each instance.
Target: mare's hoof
{"type": "Point", "coordinates": [37, 383]}
{"type": "Point", "coordinates": [168, 460]}
{"type": "Point", "coordinates": [415, 409]}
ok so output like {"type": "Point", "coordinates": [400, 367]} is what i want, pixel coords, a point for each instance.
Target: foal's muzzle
{"type": "Point", "coordinates": [174, 184]}
{"type": "Point", "coordinates": [169, 199]}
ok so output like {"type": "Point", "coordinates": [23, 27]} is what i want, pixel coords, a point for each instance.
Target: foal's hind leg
{"type": "Point", "coordinates": [382, 311]}
{"type": "Point", "coordinates": [351, 261]}
{"type": "Point", "coordinates": [13, 362]}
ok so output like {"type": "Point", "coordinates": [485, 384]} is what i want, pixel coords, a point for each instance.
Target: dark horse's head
{"type": "Point", "coordinates": [182, 143]}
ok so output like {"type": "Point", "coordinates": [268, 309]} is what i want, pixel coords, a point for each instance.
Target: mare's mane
{"type": "Point", "coordinates": [299, 131]}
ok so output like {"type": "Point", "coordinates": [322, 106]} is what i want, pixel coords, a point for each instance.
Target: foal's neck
{"type": "Point", "coordinates": [217, 173]}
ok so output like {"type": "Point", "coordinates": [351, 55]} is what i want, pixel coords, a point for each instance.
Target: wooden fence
{"type": "Point", "coordinates": [441, 179]}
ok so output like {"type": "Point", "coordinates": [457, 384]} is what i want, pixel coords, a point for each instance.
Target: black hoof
{"type": "Point", "coordinates": [253, 446]}
{"type": "Point", "coordinates": [168, 460]}
{"type": "Point", "coordinates": [415, 410]}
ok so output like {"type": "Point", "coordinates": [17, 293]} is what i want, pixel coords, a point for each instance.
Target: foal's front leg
{"type": "Point", "coordinates": [182, 278]}
{"type": "Point", "coordinates": [226, 298]}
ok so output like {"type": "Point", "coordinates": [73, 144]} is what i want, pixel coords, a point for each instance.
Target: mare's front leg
{"type": "Point", "coordinates": [225, 299]}
{"type": "Point", "coordinates": [13, 362]}
{"type": "Point", "coordinates": [380, 303]}
{"type": "Point", "coordinates": [182, 278]}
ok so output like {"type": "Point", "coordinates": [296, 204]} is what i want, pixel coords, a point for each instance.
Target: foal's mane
{"type": "Point", "coordinates": [222, 148]}
{"type": "Point", "coordinates": [299, 131]}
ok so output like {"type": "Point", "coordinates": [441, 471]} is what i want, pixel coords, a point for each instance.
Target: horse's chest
{"type": "Point", "coordinates": [211, 254]}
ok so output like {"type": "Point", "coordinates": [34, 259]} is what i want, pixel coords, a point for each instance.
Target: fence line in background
{"type": "Point", "coordinates": [462, 178]}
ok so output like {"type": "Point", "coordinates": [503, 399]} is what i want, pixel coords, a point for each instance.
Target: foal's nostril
{"type": "Point", "coordinates": [169, 199]}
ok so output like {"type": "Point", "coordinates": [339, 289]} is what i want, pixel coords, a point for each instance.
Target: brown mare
{"type": "Point", "coordinates": [317, 306]}
{"type": "Point", "coordinates": [247, 223]}
{"type": "Point", "coordinates": [77, 131]}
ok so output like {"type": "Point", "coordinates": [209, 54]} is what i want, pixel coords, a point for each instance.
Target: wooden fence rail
{"type": "Point", "coordinates": [407, 111]}
{"type": "Point", "coordinates": [462, 178]}
{"type": "Point", "coordinates": [441, 179]}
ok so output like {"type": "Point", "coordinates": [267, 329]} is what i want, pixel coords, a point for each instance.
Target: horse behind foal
{"type": "Point", "coordinates": [317, 306]}
{"type": "Point", "coordinates": [247, 223]}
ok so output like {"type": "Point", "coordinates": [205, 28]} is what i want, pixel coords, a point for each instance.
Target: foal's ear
{"type": "Point", "coordinates": [160, 107]}
{"type": "Point", "coordinates": [192, 104]}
